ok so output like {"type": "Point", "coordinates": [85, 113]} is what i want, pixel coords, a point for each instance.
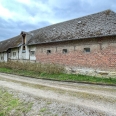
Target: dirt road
{"type": "Point", "coordinates": [66, 99]}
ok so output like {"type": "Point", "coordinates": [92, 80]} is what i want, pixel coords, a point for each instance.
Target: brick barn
{"type": "Point", "coordinates": [86, 43]}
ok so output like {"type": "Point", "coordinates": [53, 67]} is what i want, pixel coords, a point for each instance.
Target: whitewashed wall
{"type": "Point", "coordinates": [32, 48]}
{"type": "Point", "coordinates": [24, 55]}
{"type": "Point", "coordinates": [4, 56]}
{"type": "Point", "coordinates": [19, 54]}
{"type": "Point", "coordinates": [16, 56]}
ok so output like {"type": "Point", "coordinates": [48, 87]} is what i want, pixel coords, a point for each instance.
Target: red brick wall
{"type": "Point", "coordinates": [101, 56]}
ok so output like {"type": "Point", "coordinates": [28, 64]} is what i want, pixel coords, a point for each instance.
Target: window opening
{"type": "Point", "coordinates": [64, 51]}
{"type": "Point", "coordinates": [48, 51]}
{"type": "Point", "coordinates": [32, 53]}
{"type": "Point", "coordinates": [14, 54]}
{"type": "Point", "coordinates": [23, 49]}
{"type": "Point", "coordinates": [86, 49]}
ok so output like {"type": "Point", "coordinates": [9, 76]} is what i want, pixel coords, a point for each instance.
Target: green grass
{"type": "Point", "coordinates": [43, 110]}
{"type": "Point", "coordinates": [9, 104]}
{"type": "Point", "coordinates": [61, 76]}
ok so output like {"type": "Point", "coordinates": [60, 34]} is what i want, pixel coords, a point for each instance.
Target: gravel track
{"type": "Point", "coordinates": [66, 99]}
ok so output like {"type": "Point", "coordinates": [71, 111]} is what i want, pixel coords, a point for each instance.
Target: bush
{"type": "Point", "coordinates": [36, 67]}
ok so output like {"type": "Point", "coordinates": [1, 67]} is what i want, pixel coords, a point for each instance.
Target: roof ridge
{"type": "Point", "coordinates": [93, 25]}
{"type": "Point", "coordinates": [107, 11]}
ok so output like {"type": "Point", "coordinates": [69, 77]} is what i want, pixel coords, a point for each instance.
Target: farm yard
{"type": "Point", "coordinates": [63, 69]}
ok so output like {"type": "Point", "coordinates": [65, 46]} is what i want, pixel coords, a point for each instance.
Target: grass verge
{"type": "Point", "coordinates": [61, 76]}
{"type": "Point", "coordinates": [11, 106]}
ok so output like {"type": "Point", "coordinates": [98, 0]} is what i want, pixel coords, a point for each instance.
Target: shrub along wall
{"type": "Point", "coordinates": [36, 67]}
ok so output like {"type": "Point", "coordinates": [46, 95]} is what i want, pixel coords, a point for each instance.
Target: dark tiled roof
{"type": "Point", "coordinates": [10, 43]}
{"type": "Point", "coordinates": [95, 25]}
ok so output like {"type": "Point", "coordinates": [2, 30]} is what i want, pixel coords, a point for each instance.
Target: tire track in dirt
{"type": "Point", "coordinates": [72, 94]}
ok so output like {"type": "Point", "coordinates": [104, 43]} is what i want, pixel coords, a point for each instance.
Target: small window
{"type": "Point", "coordinates": [64, 51]}
{"type": "Point", "coordinates": [14, 54]}
{"type": "Point", "coordinates": [87, 50]}
{"type": "Point", "coordinates": [32, 53]}
{"type": "Point", "coordinates": [48, 51]}
{"type": "Point", "coordinates": [23, 49]}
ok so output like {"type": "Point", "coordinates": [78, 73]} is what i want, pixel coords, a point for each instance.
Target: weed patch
{"type": "Point", "coordinates": [36, 67]}
{"type": "Point", "coordinates": [50, 71]}
{"type": "Point", "coordinates": [9, 105]}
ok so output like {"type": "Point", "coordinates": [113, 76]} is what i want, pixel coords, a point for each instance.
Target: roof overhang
{"type": "Point", "coordinates": [70, 40]}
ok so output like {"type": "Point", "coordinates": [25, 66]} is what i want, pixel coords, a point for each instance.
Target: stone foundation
{"type": "Point", "coordinates": [90, 72]}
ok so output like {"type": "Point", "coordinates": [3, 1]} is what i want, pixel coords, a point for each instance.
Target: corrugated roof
{"type": "Point", "coordinates": [95, 25]}
{"type": "Point", "coordinates": [10, 43]}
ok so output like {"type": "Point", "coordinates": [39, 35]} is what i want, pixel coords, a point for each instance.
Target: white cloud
{"type": "Point", "coordinates": [26, 2]}
{"type": "Point", "coordinates": [5, 13]}
{"type": "Point", "coordinates": [61, 4]}
{"type": "Point", "coordinates": [42, 12]}
{"type": "Point", "coordinates": [35, 13]}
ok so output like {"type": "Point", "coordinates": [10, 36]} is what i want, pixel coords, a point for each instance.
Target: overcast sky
{"type": "Point", "coordinates": [27, 15]}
